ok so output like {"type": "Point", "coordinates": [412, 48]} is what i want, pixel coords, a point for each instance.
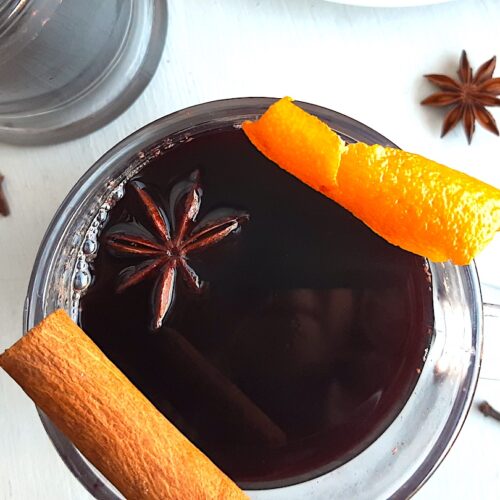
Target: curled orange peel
{"type": "Point", "coordinates": [415, 203]}
{"type": "Point", "coordinates": [298, 142]}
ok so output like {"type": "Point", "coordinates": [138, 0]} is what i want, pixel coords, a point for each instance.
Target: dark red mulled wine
{"type": "Point", "coordinates": [307, 336]}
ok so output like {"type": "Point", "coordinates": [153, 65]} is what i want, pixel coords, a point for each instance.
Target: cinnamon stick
{"type": "Point", "coordinates": [108, 419]}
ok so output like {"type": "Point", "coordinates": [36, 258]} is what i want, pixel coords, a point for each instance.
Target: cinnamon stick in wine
{"type": "Point", "coordinates": [223, 399]}
{"type": "Point", "coordinates": [108, 419]}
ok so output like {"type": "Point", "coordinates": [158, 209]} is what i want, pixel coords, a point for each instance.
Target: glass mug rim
{"type": "Point", "coordinates": [208, 116]}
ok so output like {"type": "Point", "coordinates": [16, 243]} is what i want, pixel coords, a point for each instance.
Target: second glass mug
{"type": "Point", "coordinates": [432, 417]}
{"type": "Point", "coordinates": [70, 66]}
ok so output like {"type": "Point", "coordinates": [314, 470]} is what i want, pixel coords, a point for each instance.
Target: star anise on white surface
{"type": "Point", "coordinates": [468, 96]}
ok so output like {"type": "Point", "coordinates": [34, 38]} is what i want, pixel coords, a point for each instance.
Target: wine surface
{"type": "Point", "coordinates": [305, 341]}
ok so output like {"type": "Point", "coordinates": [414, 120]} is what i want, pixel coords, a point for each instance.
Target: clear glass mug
{"type": "Point", "coordinates": [69, 66]}
{"type": "Point", "coordinates": [410, 449]}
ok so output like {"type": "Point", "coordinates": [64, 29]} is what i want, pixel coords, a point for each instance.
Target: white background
{"type": "Point", "coordinates": [366, 63]}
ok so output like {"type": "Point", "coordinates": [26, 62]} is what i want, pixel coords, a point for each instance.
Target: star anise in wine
{"type": "Point", "coordinates": [468, 96]}
{"type": "Point", "coordinates": [165, 245]}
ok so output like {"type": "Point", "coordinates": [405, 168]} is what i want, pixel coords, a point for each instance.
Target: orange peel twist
{"type": "Point", "coordinates": [412, 202]}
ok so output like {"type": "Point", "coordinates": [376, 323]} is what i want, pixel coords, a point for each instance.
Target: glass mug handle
{"type": "Point", "coordinates": [491, 310]}
{"type": "Point", "coordinates": [490, 290]}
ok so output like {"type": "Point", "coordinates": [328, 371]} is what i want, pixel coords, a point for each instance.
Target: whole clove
{"type": "Point", "coordinates": [488, 411]}
{"type": "Point", "coordinates": [4, 206]}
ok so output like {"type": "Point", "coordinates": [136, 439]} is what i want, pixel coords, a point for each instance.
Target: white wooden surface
{"type": "Point", "coordinates": [366, 63]}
